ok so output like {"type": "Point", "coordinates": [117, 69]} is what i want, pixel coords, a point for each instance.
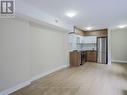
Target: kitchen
{"type": "Point", "coordinates": [88, 46]}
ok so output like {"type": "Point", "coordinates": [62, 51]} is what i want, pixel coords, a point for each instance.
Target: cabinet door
{"type": "Point", "coordinates": [72, 38]}
{"type": "Point", "coordinates": [91, 56]}
{"type": "Point", "coordinates": [75, 59]}
{"type": "Point", "coordinates": [89, 39]}
{"type": "Point", "coordinates": [81, 39]}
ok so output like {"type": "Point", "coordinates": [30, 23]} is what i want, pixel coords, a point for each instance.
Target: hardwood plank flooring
{"type": "Point", "coordinates": [88, 79]}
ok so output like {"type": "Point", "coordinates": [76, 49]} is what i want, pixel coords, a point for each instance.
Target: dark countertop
{"type": "Point", "coordinates": [91, 50]}
{"type": "Point", "coordinates": [87, 50]}
{"type": "Point", "coordinates": [84, 51]}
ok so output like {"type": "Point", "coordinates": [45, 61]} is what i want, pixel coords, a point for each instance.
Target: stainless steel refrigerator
{"type": "Point", "coordinates": [102, 50]}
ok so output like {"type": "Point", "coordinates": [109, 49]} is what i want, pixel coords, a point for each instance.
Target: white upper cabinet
{"type": "Point", "coordinates": [82, 39]}
{"type": "Point", "coordinates": [77, 42]}
{"type": "Point", "coordinates": [74, 38]}
{"type": "Point", "coordinates": [71, 38]}
{"type": "Point", "coordinates": [88, 39]}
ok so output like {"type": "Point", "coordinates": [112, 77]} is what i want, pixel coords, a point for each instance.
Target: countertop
{"type": "Point", "coordinates": [82, 50]}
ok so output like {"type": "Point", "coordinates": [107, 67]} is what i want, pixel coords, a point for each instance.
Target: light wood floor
{"type": "Point", "coordinates": [88, 79]}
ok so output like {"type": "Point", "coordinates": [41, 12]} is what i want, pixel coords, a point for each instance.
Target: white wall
{"type": "Point", "coordinates": [109, 47]}
{"type": "Point", "coordinates": [49, 49]}
{"type": "Point", "coordinates": [28, 50]}
{"type": "Point", "coordinates": [14, 52]}
{"type": "Point", "coordinates": [119, 45]}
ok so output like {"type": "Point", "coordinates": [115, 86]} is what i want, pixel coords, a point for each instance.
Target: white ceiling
{"type": "Point", "coordinates": [96, 13]}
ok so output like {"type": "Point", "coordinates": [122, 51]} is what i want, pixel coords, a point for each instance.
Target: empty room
{"type": "Point", "coordinates": [63, 47]}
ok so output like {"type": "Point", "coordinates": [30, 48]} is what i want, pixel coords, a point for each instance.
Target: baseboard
{"type": "Point", "coordinates": [24, 84]}
{"type": "Point", "coordinates": [15, 88]}
{"type": "Point", "coordinates": [119, 61]}
{"type": "Point", "coordinates": [48, 72]}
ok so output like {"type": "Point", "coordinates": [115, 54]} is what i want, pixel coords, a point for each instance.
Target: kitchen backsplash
{"type": "Point", "coordinates": [86, 46]}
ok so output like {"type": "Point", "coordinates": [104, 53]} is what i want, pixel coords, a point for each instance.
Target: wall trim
{"type": "Point", "coordinates": [48, 72]}
{"type": "Point", "coordinates": [15, 88]}
{"type": "Point", "coordinates": [26, 83]}
{"type": "Point", "coordinates": [119, 61]}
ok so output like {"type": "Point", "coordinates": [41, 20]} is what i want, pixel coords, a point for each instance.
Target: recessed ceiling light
{"type": "Point", "coordinates": [89, 28]}
{"type": "Point", "coordinates": [71, 14]}
{"type": "Point", "coordinates": [122, 26]}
